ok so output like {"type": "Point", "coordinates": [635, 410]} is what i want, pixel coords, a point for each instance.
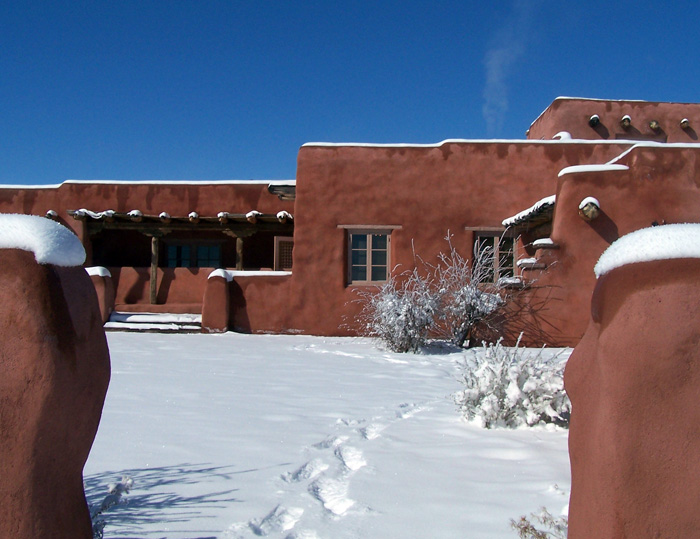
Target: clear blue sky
{"type": "Point", "coordinates": [212, 90]}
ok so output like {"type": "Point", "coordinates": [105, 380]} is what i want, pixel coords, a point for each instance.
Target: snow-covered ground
{"type": "Point", "coordinates": [236, 436]}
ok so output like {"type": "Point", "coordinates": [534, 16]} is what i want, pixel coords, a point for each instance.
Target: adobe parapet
{"type": "Point", "coordinates": [561, 139]}
{"type": "Point", "coordinates": [597, 119]}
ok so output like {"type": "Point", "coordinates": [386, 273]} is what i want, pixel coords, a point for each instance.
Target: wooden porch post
{"type": "Point", "coordinates": [154, 268]}
{"type": "Point", "coordinates": [239, 253]}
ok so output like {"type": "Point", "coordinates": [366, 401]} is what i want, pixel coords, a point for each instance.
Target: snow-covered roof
{"type": "Point", "coordinates": [650, 143]}
{"type": "Point", "coordinates": [193, 217]}
{"type": "Point", "coordinates": [51, 242]}
{"type": "Point", "coordinates": [184, 182]}
{"type": "Point", "coordinates": [663, 242]}
{"type": "Point", "coordinates": [536, 209]}
{"type": "Point", "coordinates": [152, 182]}
{"type": "Point", "coordinates": [466, 141]}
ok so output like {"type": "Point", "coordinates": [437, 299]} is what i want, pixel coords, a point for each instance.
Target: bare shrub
{"type": "Point", "coordinates": [555, 527]}
{"type": "Point", "coordinates": [114, 497]}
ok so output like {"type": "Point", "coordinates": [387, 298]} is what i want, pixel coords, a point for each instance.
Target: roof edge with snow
{"type": "Point", "coordinates": [538, 208]}
{"type": "Point", "coordinates": [149, 182]}
{"type": "Point", "coordinates": [466, 141]}
{"type": "Point", "coordinates": [665, 242]}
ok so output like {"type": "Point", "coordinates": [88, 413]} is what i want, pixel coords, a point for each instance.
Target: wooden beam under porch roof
{"type": "Point", "coordinates": [240, 224]}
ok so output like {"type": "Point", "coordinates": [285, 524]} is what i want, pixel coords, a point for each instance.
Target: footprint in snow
{"type": "Point", "coordinates": [349, 422]}
{"type": "Point", "coordinates": [332, 494]}
{"type": "Point", "coordinates": [331, 441]}
{"type": "Point", "coordinates": [407, 410]}
{"type": "Point", "coordinates": [372, 431]}
{"type": "Point", "coordinates": [351, 457]}
{"type": "Point", "coordinates": [308, 471]}
{"type": "Point", "coordinates": [303, 534]}
{"type": "Point", "coordinates": [280, 519]}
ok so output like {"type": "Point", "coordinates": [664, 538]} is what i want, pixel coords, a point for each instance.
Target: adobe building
{"type": "Point", "coordinates": [290, 256]}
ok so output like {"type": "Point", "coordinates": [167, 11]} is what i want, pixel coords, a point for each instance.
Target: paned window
{"type": "Point", "coordinates": [368, 256]}
{"type": "Point", "coordinates": [502, 254]}
{"type": "Point", "coordinates": [194, 255]}
{"type": "Point", "coordinates": [283, 253]}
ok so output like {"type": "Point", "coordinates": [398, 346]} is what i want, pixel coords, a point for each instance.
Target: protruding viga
{"type": "Point", "coordinates": [54, 372]}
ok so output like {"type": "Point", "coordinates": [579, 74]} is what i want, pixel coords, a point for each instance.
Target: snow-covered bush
{"type": "Point", "coordinates": [513, 387]}
{"type": "Point", "coordinates": [468, 295]}
{"type": "Point", "coordinates": [555, 527]}
{"type": "Point", "coordinates": [452, 299]}
{"type": "Point", "coordinates": [400, 313]}
{"type": "Point", "coordinates": [114, 497]}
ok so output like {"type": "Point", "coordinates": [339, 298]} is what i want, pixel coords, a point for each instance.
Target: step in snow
{"type": "Point", "coordinates": [156, 318]}
{"type": "Point", "coordinates": [165, 322]}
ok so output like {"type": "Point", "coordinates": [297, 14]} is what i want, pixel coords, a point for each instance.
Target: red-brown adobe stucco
{"type": "Point", "coordinates": [634, 384]}
{"type": "Point", "coordinates": [104, 288]}
{"type": "Point", "coordinates": [215, 306]}
{"type": "Point", "coordinates": [573, 114]}
{"type": "Point", "coordinates": [661, 186]}
{"type": "Point", "coordinates": [54, 372]}
{"type": "Point", "coordinates": [424, 192]}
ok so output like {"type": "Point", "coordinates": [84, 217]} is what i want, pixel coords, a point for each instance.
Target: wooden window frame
{"type": "Point", "coordinates": [370, 253]}
{"type": "Point", "coordinates": [193, 245]}
{"type": "Point", "coordinates": [495, 239]}
{"type": "Point", "coordinates": [279, 241]}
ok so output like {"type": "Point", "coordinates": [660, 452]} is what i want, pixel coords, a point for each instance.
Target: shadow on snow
{"type": "Point", "coordinates": [154, 498]}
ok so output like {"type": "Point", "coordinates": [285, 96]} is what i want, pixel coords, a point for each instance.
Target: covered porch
{"type": "Point", "coordinates": [161, 263]}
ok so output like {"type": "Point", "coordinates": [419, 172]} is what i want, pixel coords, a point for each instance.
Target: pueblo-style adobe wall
{"type": "Point", "coordinates": [296, 252]}
{"type": "Point", "coordinates": [634, 384]}
{"type": "Point", "coordinates": [54, 374]}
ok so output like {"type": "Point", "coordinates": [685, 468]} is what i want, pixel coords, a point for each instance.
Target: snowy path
{"type": "Point", "coordinates": [241, 436]}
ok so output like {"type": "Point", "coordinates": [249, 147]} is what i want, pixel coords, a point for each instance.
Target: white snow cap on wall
{"type": "Point", "coordinates": [575, 169]}
{"type": "Point", "coordinates": [51, 242]}
{"type": "Point", "coordinates": [98, 271]}
{"type": "Point", "coordinates": [663, 242]}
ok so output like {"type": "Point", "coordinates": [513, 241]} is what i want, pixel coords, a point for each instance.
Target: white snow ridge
{"type": "Point", "coordinates": [51, 242]}
{"type": "Point", "coordinates": [663, 242]}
